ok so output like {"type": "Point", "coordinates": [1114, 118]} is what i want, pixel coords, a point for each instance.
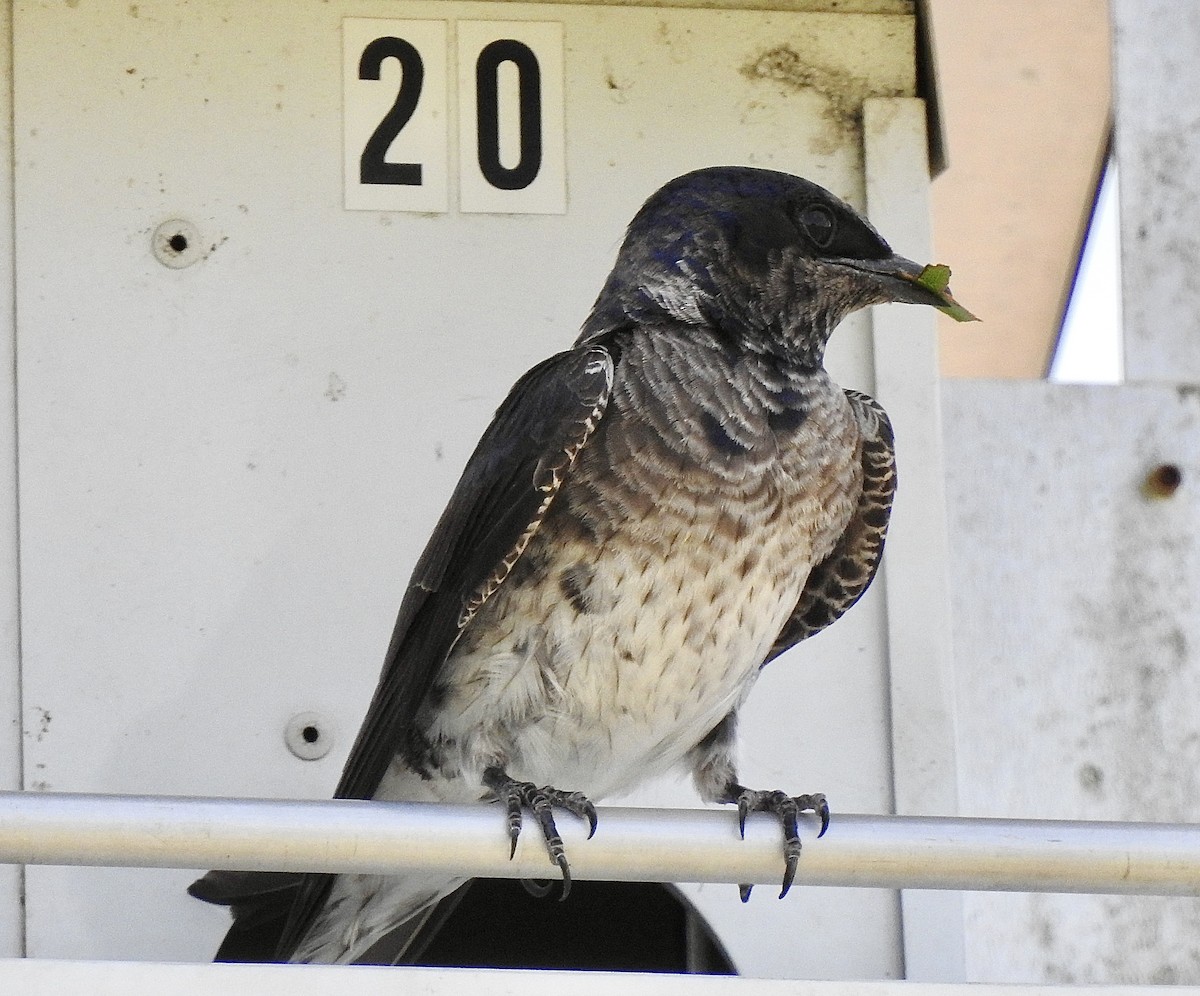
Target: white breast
{"type": "Point", "coordinates": [692, 559]}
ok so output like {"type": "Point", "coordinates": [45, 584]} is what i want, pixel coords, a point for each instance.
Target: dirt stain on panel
{"type": "Point", "coordinates": [843, 92]}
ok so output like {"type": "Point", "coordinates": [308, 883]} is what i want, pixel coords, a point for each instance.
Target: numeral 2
{"type": "Point", "coordinates": [372, 166]}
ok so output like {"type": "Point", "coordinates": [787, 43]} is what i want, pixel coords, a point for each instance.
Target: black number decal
{"type": "Point", "coordinates": [529, 103]}
{"type": "Point", "coordinates": [371, 166]}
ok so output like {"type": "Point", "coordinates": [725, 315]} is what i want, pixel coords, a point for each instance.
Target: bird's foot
{"type": "Point", "coordinates": [787, 808]}
{"type": "Point", "coordinates": [516, 796]}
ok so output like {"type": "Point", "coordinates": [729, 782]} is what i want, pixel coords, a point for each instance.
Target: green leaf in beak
{"type": "Point", "coordinates": [936, 278]}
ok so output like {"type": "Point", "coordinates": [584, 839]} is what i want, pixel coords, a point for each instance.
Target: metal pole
{"type": "Point", "coordinates": [651, 845]}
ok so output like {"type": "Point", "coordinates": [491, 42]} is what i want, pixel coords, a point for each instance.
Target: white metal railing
{"type": "Point", "coordinates": [630, 845]}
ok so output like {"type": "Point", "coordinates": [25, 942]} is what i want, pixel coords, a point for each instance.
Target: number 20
{"type": "Point", "coordinates": [374, 169]}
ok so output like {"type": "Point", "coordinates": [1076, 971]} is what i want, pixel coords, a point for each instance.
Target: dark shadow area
{"type": "Point", "coordinates": [601, 926]}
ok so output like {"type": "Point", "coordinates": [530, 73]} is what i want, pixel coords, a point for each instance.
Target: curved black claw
{"type": "Point", "coordinates": [539, 888]}
{"type": "Point", "coordinates": [517, 796]}
{"type": "Point", "coordinates": [787, 808]}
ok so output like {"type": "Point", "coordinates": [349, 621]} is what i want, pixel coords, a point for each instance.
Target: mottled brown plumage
{"type": "Point", "coordinates": [838, 581]}
{"type": "Point", "coordinates": [651, 516]}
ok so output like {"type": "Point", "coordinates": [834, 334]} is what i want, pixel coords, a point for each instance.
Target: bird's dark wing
{"type": "Point", "coordinates": [839, 580]}
{"type": "Point", "coordinates": [504, 493]}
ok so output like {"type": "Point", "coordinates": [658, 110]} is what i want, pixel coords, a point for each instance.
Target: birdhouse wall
{"type": "Point", "coordinates": [1075, 570]}
{"type": "Point", "coordinates": [243, 396]}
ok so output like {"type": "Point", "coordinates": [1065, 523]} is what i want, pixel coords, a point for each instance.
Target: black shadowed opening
{"type": "Point", "coordinates": [601, 926]}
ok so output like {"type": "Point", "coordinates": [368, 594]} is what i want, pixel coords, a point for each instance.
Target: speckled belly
{"type": "Point", "coordinates": [622, 641]}
{"type": "Point", "coordinates": [600, 698]}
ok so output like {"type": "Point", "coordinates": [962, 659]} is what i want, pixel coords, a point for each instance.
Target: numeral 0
{"type": "Point", "coordinates": [372, 166]}
{"type": "Point", "coordinates": [487, 110]}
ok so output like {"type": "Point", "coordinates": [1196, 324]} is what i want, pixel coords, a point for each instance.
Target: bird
{"type": "Point", "coordinates": [652, 516]}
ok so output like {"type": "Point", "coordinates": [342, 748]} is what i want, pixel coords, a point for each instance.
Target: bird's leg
{"type": "Point", "coordinates": [787, 808]}
{"type": "Point", "coordinates": [716, 779]}
{"type": "Point", "coordinates": [515, 796]}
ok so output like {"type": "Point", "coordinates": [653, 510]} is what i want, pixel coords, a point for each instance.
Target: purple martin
{"type": "Point", "coordinates": [651, 517]}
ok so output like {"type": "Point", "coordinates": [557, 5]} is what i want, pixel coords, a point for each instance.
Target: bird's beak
{"type": "Point", "coordinates": [912, 283]}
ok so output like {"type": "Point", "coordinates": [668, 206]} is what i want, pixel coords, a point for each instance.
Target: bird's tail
{"type": "Point", "coordinates": [259, 902]}
{"type": "Point", "coordinates": [363, 919]}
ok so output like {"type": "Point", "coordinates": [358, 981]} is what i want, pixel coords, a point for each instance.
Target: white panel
{"type": "Point", "coordinates": [397, 137]}
{"type": "Point", "coordinates": [11, 877]}
{"type": "Point", "coordinates": [916, 564]}
{"type": "Point", "coordinates": [1157, 74]}
{"type": "Point", "coordinates": [531, 175]}
{"type": "Point", "coordinates": [1076, 618]}
{"type": "Point", "coordinates": [228, 469]}
{"type": "Point", "coordinates": [50, 978]}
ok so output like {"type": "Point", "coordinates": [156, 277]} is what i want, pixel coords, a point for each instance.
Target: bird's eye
{"type": "Point", "coordinates": [819, 224]}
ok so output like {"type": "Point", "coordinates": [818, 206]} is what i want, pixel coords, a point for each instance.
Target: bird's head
{"type": "Point", "coordinates": [769, 259]}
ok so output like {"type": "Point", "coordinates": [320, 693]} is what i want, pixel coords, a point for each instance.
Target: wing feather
{"type": "Point", "coordinates": [504, 493]}
{"type": "Point", "coordinates": [507, 487]}
{"type": "Point", "coordinates": [839, 580]}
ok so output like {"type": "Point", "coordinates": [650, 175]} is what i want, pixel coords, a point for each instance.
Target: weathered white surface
{"type": "Point", "coordinates": [227, 470]}
{"type": "Point", "coordinates": [11, 878]}
{"type": "Point", "coordinates": [914, 576]}
{"type": "Point", "coordinates": [1077, 628]}
{"type": "Point", "coordinates": [51, 978]}
{"type": "Point", "coordinates": [1157, 77]}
